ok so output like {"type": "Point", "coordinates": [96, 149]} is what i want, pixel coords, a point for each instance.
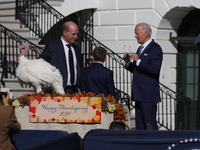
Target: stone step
{"type": "Point", "coordinates": [4, 6]}
{"type": "Point", "coordinates": [12, 60]}
{"type": "Point", "coordinates": [15, 87]}
{"type": "Point", "coordinates": [14, 83]}
{"type": "Point", "coordinates": [18, 92]}
{"type": "Point", "coordinates": [13, 54]}
{"type": "Point", "coordinates": [7, 11]}
{"type": "Point", "coordinates": [55, 3]}
{"type": "Point", "coordinates": [6, 17]}
{"type": "Point", "coordinates": [22, 32]}
{"type": "Point", "coordinates": [10, 23]}
{"type": "Point", "coordinates": [7, 3]}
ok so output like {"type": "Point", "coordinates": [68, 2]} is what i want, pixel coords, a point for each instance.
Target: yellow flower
{"type": "Point", "coordinates": [16, 103]}
{"type": "Point", "coordinates": [111, 107]}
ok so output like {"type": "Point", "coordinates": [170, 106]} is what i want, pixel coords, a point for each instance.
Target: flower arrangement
{"type": "Point", "coordinates": [108, 104]}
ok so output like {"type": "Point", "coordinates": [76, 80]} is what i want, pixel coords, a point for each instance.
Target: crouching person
{"type": "Point", "coordinates": [8, 124]}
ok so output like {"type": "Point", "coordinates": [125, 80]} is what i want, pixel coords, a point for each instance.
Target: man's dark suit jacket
{"type": "Point", "coordinates": [145, 86]}
{"type": "Point", "coordinates": [98, 79]}
{"type": "Point", "coordinates": [54, 53]}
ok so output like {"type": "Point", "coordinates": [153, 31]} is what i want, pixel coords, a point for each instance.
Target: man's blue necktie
{"type": "Point", "coordinates": [71, 64]}
{"type": "Point", "coordinates": [141, 47]}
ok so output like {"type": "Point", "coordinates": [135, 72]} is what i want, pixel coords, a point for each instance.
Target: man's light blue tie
{"type": "Point", "coordinates": [141, 47]}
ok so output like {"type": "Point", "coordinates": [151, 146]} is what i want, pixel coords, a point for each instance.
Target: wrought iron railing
{"type": "Point", "coordinates": [174, 110]}
{"type": "Point", "coordinates": [47, 25]}
{"type": "Point", "coordinates": [9, 53]}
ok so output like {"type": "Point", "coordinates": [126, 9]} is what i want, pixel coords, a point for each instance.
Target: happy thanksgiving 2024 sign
{"type": "Point", "coordinates": [65, 109]}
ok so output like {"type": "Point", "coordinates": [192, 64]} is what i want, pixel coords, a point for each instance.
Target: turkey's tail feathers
{"type": "Point", "coordinates": [53, 68]}
{"type": "Point", "coordinates": [58, 89]}
{"type": "Point", "coordinates": [58, 77]}
{"type": "Point", "coordinates": [57, 83]}
{"type": "Point", "coordinates": [51, 74]}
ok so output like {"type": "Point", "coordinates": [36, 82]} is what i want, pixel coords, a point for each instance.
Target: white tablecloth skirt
{"type": "Point", "coordinates": [23, 117]}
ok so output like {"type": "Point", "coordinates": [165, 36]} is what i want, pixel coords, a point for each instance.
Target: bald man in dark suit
{"type": "Point", "coordinates": [57, 54]}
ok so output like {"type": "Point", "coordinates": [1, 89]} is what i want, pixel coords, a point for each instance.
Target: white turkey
{"type": "Point", "coordinates": [38, 72]}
